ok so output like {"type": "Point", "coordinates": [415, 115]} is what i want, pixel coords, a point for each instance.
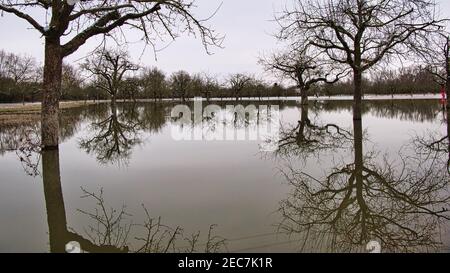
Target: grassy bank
{"type": "Point", "coordinates": [19, 113]}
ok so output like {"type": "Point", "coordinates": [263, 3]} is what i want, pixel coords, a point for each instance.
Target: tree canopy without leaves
{"type": "Point", "coordinates": [153, 82]}
{"type": "Point", "coordinates": [305, 66]}
{"type": "Point", "coordinates": [438, 60]}
{"type": "Point", "coordinates": [238, 82]}
{"type": "Point", "coordinates": [72, 23]}
{"type": "Point", "coordinates": [77, 21]}
{"type": "Point", "coordinates": [109, 67]}
{"type": "Point", "coordinates": [359, 33]}
{"type": "Point", "coordinates": [180, 82]}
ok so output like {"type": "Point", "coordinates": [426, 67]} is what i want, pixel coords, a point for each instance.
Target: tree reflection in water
{"type": "Point", "coordinates": [434, 144]}
{"type": "Point", "coordinates": [109, 230]}
{"type": "Point", "coordinates": [59, 233]}
{"type": "Point", "coordinates": [309, 137]}
{"type": "Point", "coordinates": [112, 139]}
{"type": "Point", "coordinates": [400, 205]}
{"type": "Point", "coordinates": [23, 137]}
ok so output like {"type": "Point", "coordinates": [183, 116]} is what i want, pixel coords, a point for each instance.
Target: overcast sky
{"type": "Point", "coordinates": [247, 25]}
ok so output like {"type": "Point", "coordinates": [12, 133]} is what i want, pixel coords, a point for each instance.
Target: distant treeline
{"type": "Point", "coordinates": [21, 81]}
{"type": "Point", "coordinates": [410, 80]}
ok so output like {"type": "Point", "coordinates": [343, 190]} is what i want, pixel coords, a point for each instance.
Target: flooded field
{"type": "Point", "coordinates": [122, 181]}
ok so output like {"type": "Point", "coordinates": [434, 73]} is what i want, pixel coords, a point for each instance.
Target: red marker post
{"type": "Point", "coordinates": [443, 95]}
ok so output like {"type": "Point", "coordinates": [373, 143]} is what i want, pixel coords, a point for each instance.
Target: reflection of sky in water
{"type": "Point", "coordinates": [191, 184]}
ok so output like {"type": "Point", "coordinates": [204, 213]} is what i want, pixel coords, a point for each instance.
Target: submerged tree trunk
{"type": "Point", "coordinates": [358, 173]}
{"type": "Point", "coordinates": [447, 68]}
{"type": "Point", "coordinates": [304, 122]}
{"type": "Point", "coordinates": [448, 91]}
{"type": "Point", "coordinates": [51, 94]}
{"type": "Point", "coordinates": [357, 94]}
{"type": "Point", "coordinates": [448, 129]}
{"type": "Point", "coordinates": [447, 85]}
{"type": "Point", "coordinates": [448, 137]}
{"type": "Point", "coordinates": [113, 102]}
{"type": "Point", "coordinates": [114, 109]}
{"type": "Point", "coordinates": [56, 213]}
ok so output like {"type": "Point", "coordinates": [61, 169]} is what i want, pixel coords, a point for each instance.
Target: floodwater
{"type": "Point", "coordinates": [125, 179]}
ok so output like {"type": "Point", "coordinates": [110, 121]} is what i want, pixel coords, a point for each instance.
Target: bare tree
{"type": "Point", "coordinates": [73, 23]}
{"type": "Point", "coordinates": [211, 84]}
{"type": "Point", "coordinates": [180, 82]}
{"type": "Point", "coordinates": [238, 82]}
{"type": "Point", "coordinates": [131, 88]}
{"type": "Point", "coordinates": [359, 33]}
{"type": "Point", "coordinates": [70, 80]}
{"type": "Point", "coordinates": [438, 60]}
{"type": "Point", "coordinates": [197, 85]}
{"type": "Point", "coordinates": [20, 69]}
{"type": "Point", "coordinates": [305, 66]}
{"type": "Point", "coordinates": [153, 82]}
{"type": "Point", "coordinates": [109, 67]}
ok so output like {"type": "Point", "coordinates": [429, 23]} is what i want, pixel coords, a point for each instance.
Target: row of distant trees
{"type": "Point", "coordinates": [326, 40]}
{"type": "Point", "coordinates": [330, 41]}
{"type": "Point", "coordinates": [410, 80]}
{"type": "Point", "coordinates": [110, 74]}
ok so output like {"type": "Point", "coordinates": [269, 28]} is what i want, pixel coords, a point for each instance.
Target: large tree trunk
{"type": "Point", "coordinates": [51, 94]}
{"type": "Point", "coordinates": [304, 96]}
{"type": "Point", "coordinates": [357, 94]}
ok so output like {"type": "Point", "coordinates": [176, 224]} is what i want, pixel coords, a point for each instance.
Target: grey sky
{"type": "Point", "coordinates": [246, 23]}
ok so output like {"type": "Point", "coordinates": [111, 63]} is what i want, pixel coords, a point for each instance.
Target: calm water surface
{"type": "Point", "coordinates": [333, 185]}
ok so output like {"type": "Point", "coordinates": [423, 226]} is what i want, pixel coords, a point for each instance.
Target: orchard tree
{"type": "Point", "coordinates": [71, 81]}
{"type": "Point", "coordinates": [20, 69]}
{"type": "Point", "coordinates": [73, 22]}
{"type": "Point", "coordinates": [180, 82]}
{"type": "Point", "coordinates": [237, 83]}
{"type": "Point", "coordinates": [153, 82]}
{"type": "Point", "coordinates": [305, 66]}
{"type": "Point", "coordinates": [359, 34]}
{"type": "Point", "coordinates": [211, 85]}
{"type": "Point", "coordinates": [109, 67]}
